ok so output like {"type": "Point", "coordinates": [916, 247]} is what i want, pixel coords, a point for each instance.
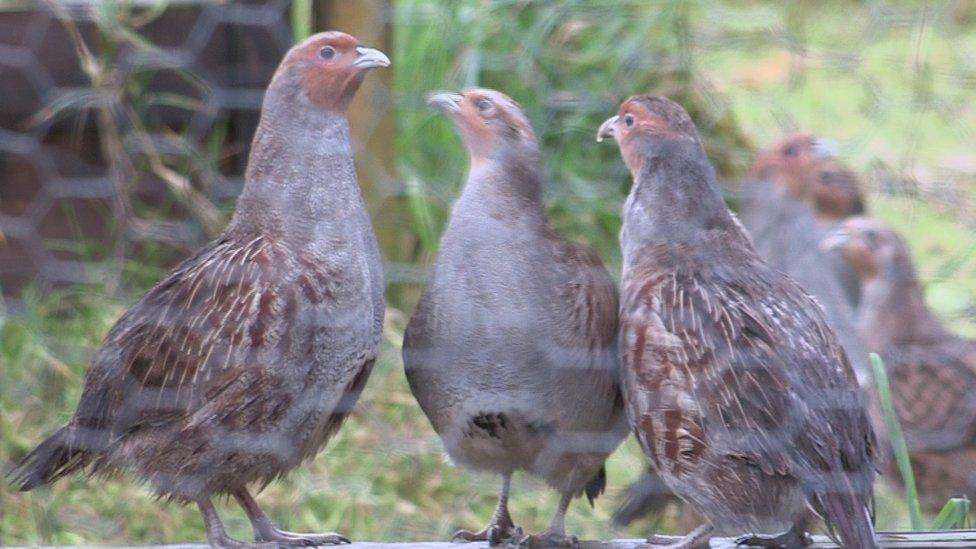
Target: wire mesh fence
{"type": "Point", "coordinates": [125, 129]}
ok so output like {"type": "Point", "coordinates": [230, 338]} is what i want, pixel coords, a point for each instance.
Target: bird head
{"type": "Point", "coordinates": [791, 162]}
{"type": "Point", "coordinates": [645, 121]}
{"type": "Point", "coordinates": [327, 68]}
{"type": "Point", "coordinates": [490, 123]}
{"type": "Point", "coordinates": [870, 247]}
{"type": "Point", "coordinates": [836, 191]}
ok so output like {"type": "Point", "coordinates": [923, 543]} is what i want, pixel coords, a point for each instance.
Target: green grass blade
{"type": "Point", "coordinates": [301, 19]}
{"type": "Point", "coordinates": [898, 445]}
{"type": "Point", "coordinates": [954, 515]}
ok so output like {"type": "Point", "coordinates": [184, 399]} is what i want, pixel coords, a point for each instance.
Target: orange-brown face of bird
{"type": "Point", "coordinates": [836, 192]}
{"type": "Point", "coordinates": [489, 121]}
{"type": "Point", "coordinates": [643, 120]}
{"type": "Point", "coordinates": [789, 163]}
{"type": "Point", "coordinates": [329, 67]}
{"type": "Point", "coordinates": [868, 246]}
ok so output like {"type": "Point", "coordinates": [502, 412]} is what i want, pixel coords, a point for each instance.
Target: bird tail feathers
{"type": "Point", "coordinates": [596, 485]}
{"type": "Point", "coordinates": [51, 460]}
{"type": "Point", "coordinates": [647, 495]}
{"type": "Point", "coordinates": [849, 518]}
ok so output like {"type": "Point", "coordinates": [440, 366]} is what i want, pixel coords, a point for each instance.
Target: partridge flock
{"type": "Point", "coordinates": [747, 395]}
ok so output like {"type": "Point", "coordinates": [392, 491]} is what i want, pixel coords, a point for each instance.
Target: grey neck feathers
{"type": "Point", "coordinates": [893, 310]}
{"type": "Point", "coordinates": [506, 186]}
{"type": "Point", "coordinates": [300, 182]}
{"type": "Point", "coordinates": [674, 196]}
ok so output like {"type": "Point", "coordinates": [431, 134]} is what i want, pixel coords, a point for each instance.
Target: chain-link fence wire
{"type": "Point", "coordinates": [124, 133]}
{"type": "Point", "coordinates": [126, 127]}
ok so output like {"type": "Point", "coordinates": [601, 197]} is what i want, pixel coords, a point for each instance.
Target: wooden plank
{"type": "Point", "coordinates": [888, 540]}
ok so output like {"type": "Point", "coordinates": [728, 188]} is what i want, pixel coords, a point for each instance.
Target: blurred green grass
{"type": "Point", "coordinates": [858, 78]}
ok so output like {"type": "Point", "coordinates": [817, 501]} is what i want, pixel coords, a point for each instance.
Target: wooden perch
{"type": "Point", "coordinates": [889, 540]}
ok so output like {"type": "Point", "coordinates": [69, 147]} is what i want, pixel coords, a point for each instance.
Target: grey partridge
{"type": "Point", "coordinates": [736, 387]}
{"type": "Point", "coordinates": [803, 168]}
{"type": "Point", "coordinates": [779, 207]}
{"type": "Point", "coordinates": [243, 361]}
{"type": "Point", "coordinates": [932, 372]}
{"type": "Point", "coordinates": [511, 351]}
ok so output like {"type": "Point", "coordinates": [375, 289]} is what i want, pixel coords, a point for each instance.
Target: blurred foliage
{"type": "Point", "coordinates": [569, 64]}
{"type": "Point", "coordinates": [891, 82]}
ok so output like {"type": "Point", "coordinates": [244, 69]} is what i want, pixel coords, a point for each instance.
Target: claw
{"type": "Point", "coordinates": [696, 539]}
{"type": "Point", "coordinates": [494, 534]}
{"type": "Point", "coordinates": [291, 539]}
{"type": "Point", "coordinates": [791, 539]}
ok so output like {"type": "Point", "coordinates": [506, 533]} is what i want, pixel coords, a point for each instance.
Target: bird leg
{"type": "Point", "coordinates": [500, 529]}
{"type": "Point", "coordinates": [555, 534]}
{"type": "Point", "coordinates": [265, 530]}
{"type": "Point", "coordinates": [696, 539]}
{"type": "Point", "coordinates": [217, 536]}
{"type": "Point", "coordinates": [790, 539]}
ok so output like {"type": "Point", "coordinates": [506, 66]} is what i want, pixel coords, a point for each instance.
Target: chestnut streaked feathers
{"type": "Point", "coordinates": [785, 234]}
{"type": "Point", "coordinates": [244, 360]}
{"type": "Point", "coordinates": [737, 389]}
{"type": "Point", "coordinates": [932, 372]}
{"type": "Point", "coordinates": [511, 351]}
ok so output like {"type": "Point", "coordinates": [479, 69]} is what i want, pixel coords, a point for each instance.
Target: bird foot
{"type": "Point", "coordinates": [282, 538]}
{"type": "Point", "coordinates": [223, 541]}
{"type": "Point", "coordinates": [696, 539]}
{"type": "Point", "coordinates": [547, 539]}
{"type": "Point", "coordinates": [791, 539]}
{"type": "Point", "coordinates": [494, 534]}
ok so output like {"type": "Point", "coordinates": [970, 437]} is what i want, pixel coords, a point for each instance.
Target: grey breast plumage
{"type": "Point", "coordinates": [511, 351]}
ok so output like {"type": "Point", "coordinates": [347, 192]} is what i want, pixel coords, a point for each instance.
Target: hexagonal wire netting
{"type": "Point", "coordinates": [124, 133]}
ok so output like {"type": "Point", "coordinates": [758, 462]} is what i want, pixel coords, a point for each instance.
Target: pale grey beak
{"type": "Point", "coordinates": [835, 239]}
{"type": "Point", "coordinates": [446, 102]}
{"type": "Point", "coordinates": [369, 58]}
{"type": "Point", "coordinates": [607, 129]}
{"type": "Point", "coordinates": [824, 148]}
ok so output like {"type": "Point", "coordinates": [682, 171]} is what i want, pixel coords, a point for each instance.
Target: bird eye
{"type": "Point", "coordinates": [789, 151]}
{"type": "Point", "coordinates": [629, 120]}
{"type": "Point", "coordinates": [483, 104]}
{"type": "Point", "coordinates": [328, 53]}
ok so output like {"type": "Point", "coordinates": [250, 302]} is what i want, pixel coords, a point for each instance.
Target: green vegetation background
{"type": "Point", "coordinates": [891, 82]}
